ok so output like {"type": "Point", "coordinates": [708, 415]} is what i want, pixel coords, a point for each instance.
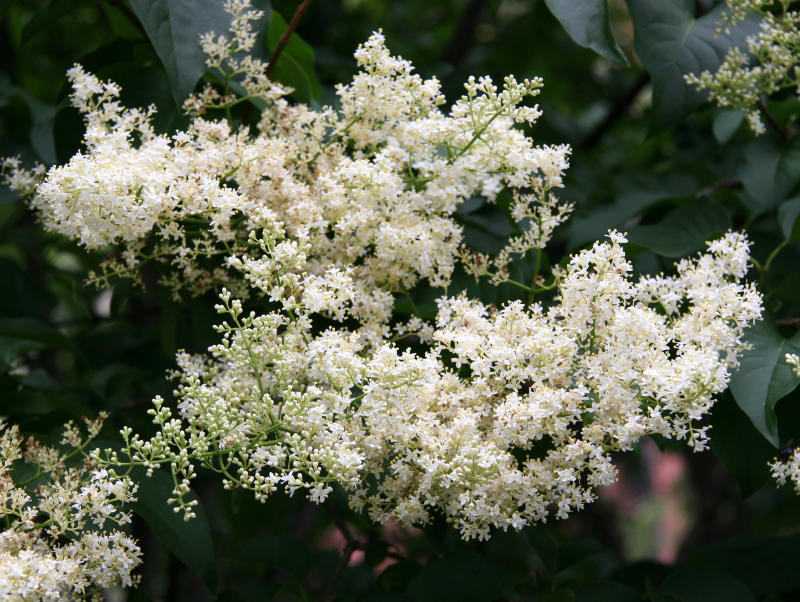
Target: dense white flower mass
{"type": "Point", "coordinates": [495, 417]}
{"type": "Point", "coordinates": [371, 186]}
{"type": "Point", "coordinates": [57, 544]}
{"type": "Point", "coordinates": [509, 417]}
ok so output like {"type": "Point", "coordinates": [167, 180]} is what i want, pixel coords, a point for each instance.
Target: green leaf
{"type": "Point", "coordinates": [31, 329]}
{"type": "Point", "coordinates": [42, 131]}
{"type": "Point", "coordinates": [683, 230]}
{"type": "Point", "coordinates": [788, 213]}
{"type": "Point", "coordinates": [190, 541]}
{"type": "Point", "coordinates": [788, 288]}
{"type": "Point", "coordinates": [174, 28]}
{"type": "Point", "coordinates": [295, 66]}
{"type": "Point", "coordinates": [671, 43]}
{"type": "Point", "coordinates": [494, 5]}
{"type": "Point", "coordinates": [770, 172]}
{"type": "Point", "coordinates": [633, 198]}
{"type": "Point", "coordinates": [726, 123]}
{"type": "Point", "coordinates": [588, 24]}
{"type": "Point", "coordinates": [764, 377]}
{"type": "Point", "coordinates": [43, 116]}
{"type": "Point", "coordinates": [396, 576]}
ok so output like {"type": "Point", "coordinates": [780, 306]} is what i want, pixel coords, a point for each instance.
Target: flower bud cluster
{"type": "Point", "coordinates": [771, 63]}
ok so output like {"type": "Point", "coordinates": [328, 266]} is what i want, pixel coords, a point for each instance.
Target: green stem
{"type": "Point", "coordinates": [773, 255]}
{"type": "Point", "coordinates": [536, 267]}
{"type": "Point", "coordinates": [520, 285]}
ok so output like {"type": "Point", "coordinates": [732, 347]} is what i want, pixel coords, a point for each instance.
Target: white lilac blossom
{"type": "Point", "coordinates": [508, 418]}
{"type": "Point", "coordinates": [371, 187]}
{"type": "Point", "coordinates": [497, 417]}
{"type": "Point", "coordinates": [62, 538]}
{"type": "Point", "coordinates": [771, 63]}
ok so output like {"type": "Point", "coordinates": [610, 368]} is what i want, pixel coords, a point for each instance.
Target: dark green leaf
{"type": "Point", "coordinates": [766, 565]}
{"type": "Point", "coordinates": [726, 123]}
{"type": "Point", "coordinates": [788, 212]}
{"type": "Point", "coordinates": [45, 17]}
{"type": "Point", "coordinates": [30, 329]}
{"type": "Point", "coordinates": [683, 230]}
{"type": "Point", "coordinates": [190, 541]}
{"type": "Point", "coordinates": [606, 590]}
{"type": "Point", "coordinates": [764, 377]}
{"type": "Point", "coordinates": [770, 171]}
{"type": "Point", "coordinates": [42, 140]}
{"type": "Point", "coordinates": [789, 288]}
{"type": "Point", "coordinates": [634, 197]}
{"type": "Point", "coordinates": [174, 28]}
{"type": "Point", "coordinates": [671, 43]}
{"type": "Point", "coordinates": [588, 24]}
{"type": "Point", "coordinates": [398, 575]}
{"type": "Point", "coordinates": [495, 4]}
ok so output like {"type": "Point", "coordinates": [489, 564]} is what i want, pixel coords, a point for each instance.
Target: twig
{"type": "Point", "coordinates": [286, 35]}
{"type": "Point", "coordinates": [788, 322]}
{"type": "Point", "coordinates": [351, 545]}
{"type": "Point", "coordinates": [731, 182]}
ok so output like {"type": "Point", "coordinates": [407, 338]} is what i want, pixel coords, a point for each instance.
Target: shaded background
{"type": "Point", "coordinates": [678, 526]}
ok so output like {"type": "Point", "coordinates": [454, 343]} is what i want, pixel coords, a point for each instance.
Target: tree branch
{"type": "Point", "coordinates": [731, 182]}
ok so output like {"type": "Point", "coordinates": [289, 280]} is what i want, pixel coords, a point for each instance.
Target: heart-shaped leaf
{"type": "Point", "coordinates": [671, 43]}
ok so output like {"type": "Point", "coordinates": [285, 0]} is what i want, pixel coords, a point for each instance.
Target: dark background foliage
{"type": "Point", "coordinates": [649, 157]}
